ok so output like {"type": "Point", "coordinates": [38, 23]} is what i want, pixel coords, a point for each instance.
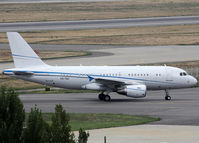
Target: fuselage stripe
{"type": "Point", "coordinates": [21, 56]}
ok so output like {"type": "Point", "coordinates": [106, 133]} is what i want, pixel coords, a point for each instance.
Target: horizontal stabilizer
{"type": "Point", "coordinates": [23, 73]}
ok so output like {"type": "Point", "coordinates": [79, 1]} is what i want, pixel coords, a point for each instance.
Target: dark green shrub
{"type": "Point", "coordinates": [12, 116]}
{"type": "Point", "coordinates": [60, 128]}
{"type": "Point", "coordinates": [83, 136]}
{"type": "Point", "coordinates": [37, 130]}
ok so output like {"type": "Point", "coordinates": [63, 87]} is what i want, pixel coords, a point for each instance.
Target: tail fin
{"type": "Point", "coordinates": [23, 55]}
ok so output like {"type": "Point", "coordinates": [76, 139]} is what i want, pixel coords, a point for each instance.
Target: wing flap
{"type": "Point", "coordinates": [108, 81]}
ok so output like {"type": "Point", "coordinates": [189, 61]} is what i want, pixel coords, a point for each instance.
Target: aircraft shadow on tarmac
{"type": "Point", "coordinates": [125, 100]}
{"type": "Point", "coordinates": [139, 100]}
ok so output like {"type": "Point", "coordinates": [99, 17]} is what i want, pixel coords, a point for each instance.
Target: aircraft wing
{"type": "Point", "coordinates": [109, 81]}
{"type": "Point", "coordinates": [113, 84]}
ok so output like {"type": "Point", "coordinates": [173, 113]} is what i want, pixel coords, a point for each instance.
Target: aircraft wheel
{"type": "Point", "coordinates": [167, 97]}
{"type": "Point", "coordinates": [101, 96]}
{"type": "Point", "coordinates": [107, 98]}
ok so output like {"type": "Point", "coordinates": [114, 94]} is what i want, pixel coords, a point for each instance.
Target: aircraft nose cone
{"type": "Point", "coordinates": [194, 81]}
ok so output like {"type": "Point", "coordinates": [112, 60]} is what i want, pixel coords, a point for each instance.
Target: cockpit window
{"type": "Point", "coordinates": [183, 74]}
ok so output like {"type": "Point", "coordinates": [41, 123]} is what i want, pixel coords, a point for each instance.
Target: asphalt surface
{"type": "Point", "coordinates": [53, 1]}
{"type": "Point", "coordinates": [92, 24]}
{"type": "Point", "coordinates": [181, 110]}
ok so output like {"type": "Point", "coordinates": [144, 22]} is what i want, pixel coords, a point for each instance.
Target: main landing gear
{"type": "Point", "coordinates": [104, 97]}
{"type": "Point", "coordinates": [167, 97]}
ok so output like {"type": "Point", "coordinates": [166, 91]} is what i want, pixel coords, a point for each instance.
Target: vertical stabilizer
{"type": "Point", "coordinates": [23, 55]}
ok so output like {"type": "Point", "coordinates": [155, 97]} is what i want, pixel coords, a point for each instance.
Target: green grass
{"type": "Point", "coordinates": [101, 120]}
{"type": "Point", "coordinates": [29, 88]}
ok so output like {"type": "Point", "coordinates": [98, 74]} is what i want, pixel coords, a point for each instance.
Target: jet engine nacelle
{"type": "Point", "coordinates": [136, 91]}
{"type": "Point", "coordinates": [93, 86]}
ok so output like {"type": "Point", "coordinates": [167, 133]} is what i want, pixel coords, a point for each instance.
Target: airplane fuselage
{"type": "Point", "coordinates": [75, 77]}
{"type": "Point", "coordinates": [132, 81]}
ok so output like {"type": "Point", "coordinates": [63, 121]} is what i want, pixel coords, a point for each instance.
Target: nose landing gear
{"type": "Point", "coordinates": [167, 97]}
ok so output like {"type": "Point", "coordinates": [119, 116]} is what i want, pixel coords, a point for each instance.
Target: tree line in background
{"type": "Point", "coordinates": [14, 129]}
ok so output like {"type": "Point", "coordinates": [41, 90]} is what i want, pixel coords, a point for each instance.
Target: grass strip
{"type": "Point", "coordinates": [89, 121]}
{"type": "Point", "coordinates": [18, 12]}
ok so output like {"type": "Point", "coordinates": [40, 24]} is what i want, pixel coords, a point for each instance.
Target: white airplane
{"type": "Point", "coordinates": [131, 81]}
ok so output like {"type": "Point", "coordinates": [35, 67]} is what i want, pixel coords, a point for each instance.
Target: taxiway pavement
{"type": "Point", "coordinates": [181, 110]}
{"type": "Point", "coordinates": [93, 24]}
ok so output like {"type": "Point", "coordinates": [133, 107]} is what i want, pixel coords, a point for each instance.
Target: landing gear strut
{"type": "Point", "coordinates": [167, 97]}
{"type": "Point", "coordinates": [104, 97]}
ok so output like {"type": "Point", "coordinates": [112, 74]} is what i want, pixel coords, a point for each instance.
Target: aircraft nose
{"type": "Point", "coordinates": [194, 81]}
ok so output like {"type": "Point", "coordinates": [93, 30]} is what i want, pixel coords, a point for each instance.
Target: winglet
{"type": "Point", "coordinates": [23, 54]}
